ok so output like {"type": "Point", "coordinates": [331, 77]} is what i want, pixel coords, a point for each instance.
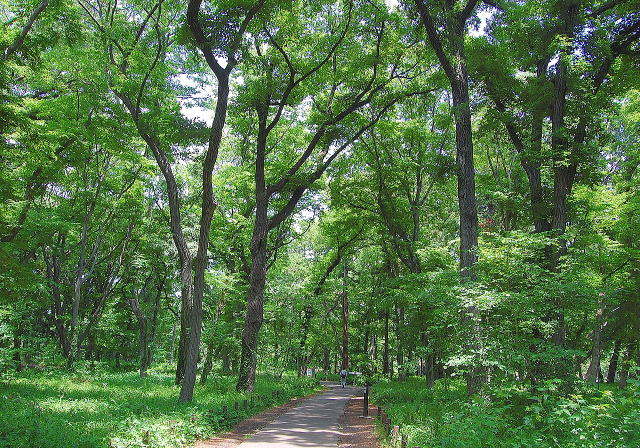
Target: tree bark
{"type": "Point", "coordinates": [613, 363]}
{"type": "Point", "coordinates": [594, 366]}
{"type": "Point", "coordinates": [629, 352]}
{"type": "Point", "coordinates": [17, 43]}
{"type": "Point", "coordinates": [385, 350]}
{"type": "Point", "coordinates": [201, 261]}
{"type": "Point", "coordinates": [208, 363]}
{"type": "Point", "coordinates": [345, 321]}
{"type": "Point", "coordinates": [454, 66]}
{"type": "Point", "coordinates": [255, 299]}
{"type": "Point", "coordinates": [399, 324]}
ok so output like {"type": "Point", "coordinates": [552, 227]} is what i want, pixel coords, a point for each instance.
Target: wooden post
{"type": "Point", "coordinates": [379, 412]}
{"type": "Point", "coordinates": [396, 434]}
{"type": "Point", "coordinates": [244, 404]}
{"type": "Point", "coordinates": [365, 406]}
{"type": "Point", "coordinates": [225, 410]}
{"type": "Point", "coordinates": [235, 406]}
{"type": "Point", "coordinates": [252, 401]}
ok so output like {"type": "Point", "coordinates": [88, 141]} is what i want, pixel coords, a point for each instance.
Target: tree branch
{"type": "Point", "coordinates": [25, 30]}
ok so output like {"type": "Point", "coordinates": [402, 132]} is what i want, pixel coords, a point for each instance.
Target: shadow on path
{"type": "Point", "coordinates": [313, 423]}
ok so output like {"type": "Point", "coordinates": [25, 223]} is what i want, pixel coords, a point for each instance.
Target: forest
{"type": "Point", "coordinates": [207, 199]}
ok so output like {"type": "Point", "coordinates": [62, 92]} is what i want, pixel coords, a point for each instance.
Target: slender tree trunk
{"type": "Point", "coordinates": [596, 349]}
{"type": "Point", "coordinates": [53, 276]}
{"type": "Point", "coordinates": [208, 363]}
{"type": "Point", "coordinates": [326, 363]}
{"type": "Point", "coordinates": [172, 350]}
{"type": "Point", "coordinates": [143, 333]}
{"type": "Point", "coordinates": [613, 363]}
{"type": "Point", "coordinates": [399, 324]}
{"type": "Point", "coordinates": [226, 362]}
{"type": "Point", "coordinates": [306, 324]}
{"type": "Point", "coordinates": [17, 349]}
{"type": "Point", "coordinates": [385, 350]}
{"type": "Point", "coordinates": [626, 364]}
{"type": "Point", "coordinates": [345, 322]}
{"type": "Point", "coordinates": [186, 306]}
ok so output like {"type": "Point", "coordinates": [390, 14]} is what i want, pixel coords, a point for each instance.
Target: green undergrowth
{"type": "Point", "coordinates": [514, 416]}
{"type": "Point", "coordinates": [57, 409]}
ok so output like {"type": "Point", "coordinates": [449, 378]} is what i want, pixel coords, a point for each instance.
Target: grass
{"type": "Point", "coordinates": [58, 409]}
{"type": "Point", "coordinates": [514, 417]}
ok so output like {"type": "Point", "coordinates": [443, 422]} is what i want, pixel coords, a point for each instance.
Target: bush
{"type": "Point", "coordinates": [513, 417]}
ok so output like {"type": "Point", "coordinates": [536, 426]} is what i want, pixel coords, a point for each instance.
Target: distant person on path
{"type": "Point", "coordinates": [343, 377]}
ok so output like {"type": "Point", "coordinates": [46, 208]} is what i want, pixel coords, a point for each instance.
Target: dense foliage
{"type": "Point", "coordinates": [516, 415]}
{"type": "Point", "coordinates": [446, 189]}
{"type": "Point", "coordinates": [102, 407]}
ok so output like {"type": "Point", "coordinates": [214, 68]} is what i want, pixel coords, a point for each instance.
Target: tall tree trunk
{"type": "Point", "coordinates": [201, 262]}
{"type": "Point", "coordinates": [564, 174]}
{"type": "Point", "coordinates": [345, 321]}
{"type": "Point", "coordinates": [255, 300]}
{"type": "Point", "coordinates": [454, 66]}
{"type": "Point", "coordinates": [476, 375]}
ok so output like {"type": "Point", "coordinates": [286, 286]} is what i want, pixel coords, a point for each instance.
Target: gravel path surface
{"type": "Point", "coordinates": [328, 419]}
{"type": "Point", "coordinates": [311, 424]}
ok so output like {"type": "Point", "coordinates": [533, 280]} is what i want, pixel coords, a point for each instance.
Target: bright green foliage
{"type": "Point", "coordinates": [99, 408]}
{"type": "Point", "coordinates": [515, 416]}
{"type": "Point", "coordinates": [359, 162]}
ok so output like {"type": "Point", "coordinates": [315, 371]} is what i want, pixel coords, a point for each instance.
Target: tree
{"type": "Point", "coordinates": [446, 35]}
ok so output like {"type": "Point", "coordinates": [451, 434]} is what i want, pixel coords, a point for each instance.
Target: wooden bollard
{"type": "Point", "coordinates": [379, 412]}
{"type": "Point", "coordinates": [225, 410]}
{"type": "Point", "coordinates": [235, 406]}
{"type": "Point", "coordinates": [403, 441]}
{"type": "Point", "coordinates": [396, 433]}
{"type": "Point", "coordinates": [244, 404]}
{"type": "Point", "coordinates": [251, 400]}
{"type": "Point", "coordinates": [365, 403]}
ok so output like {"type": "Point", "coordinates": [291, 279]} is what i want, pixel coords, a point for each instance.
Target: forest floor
{"type": "Point", "coordinates": [331, 418]}
{"type": "Point", "coordinates": [101, 408]}
{"type": "Point", "coordinates": [357, 432]}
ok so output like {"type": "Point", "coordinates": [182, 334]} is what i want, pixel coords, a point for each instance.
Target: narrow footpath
{"type": "Point", "coordinates": [311, 424]}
